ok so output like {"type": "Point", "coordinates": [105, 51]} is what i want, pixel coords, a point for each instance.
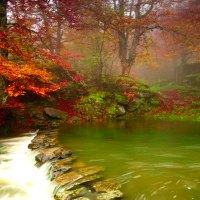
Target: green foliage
{"type": "Point", "coordinates": [121, 99]}
{"type": "Point", "coordinates": [162, 86]}
{"type": "Point", "coordinates": [186, 115]}
{"type": "Point", "coordinates": [112, 96]}
{"type": "Point", "coordinates": [195, 103]}
{"type": "Point", "coordinates": [93, 106]}
{"type": "Point", "coordinates": [154, 102]}
{"type": "Point", "coordinates": [127, 79]}
{"type": "Point", "coordinates": [193, 79]}
{"type": "Point", "coordinates": [97, 96]}
{"type": "Point", "coordinates": [100, 104]}
{"type": "Point", "coordinates": [112, 110]}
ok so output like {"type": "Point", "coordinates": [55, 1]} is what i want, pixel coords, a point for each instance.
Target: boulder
{"type": "Point", "coordinates": [120, 110]}
{"type": "Point", "coordinates": [55, 113]}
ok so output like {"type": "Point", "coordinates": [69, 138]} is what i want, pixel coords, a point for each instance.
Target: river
{"type": "Point", "coordinates": [153, 160]}
{"type": "Point", "coordinates": [20, 179]}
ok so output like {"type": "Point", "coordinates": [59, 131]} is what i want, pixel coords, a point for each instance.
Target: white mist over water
{"type": "Point", "coordinates": [19, 178]}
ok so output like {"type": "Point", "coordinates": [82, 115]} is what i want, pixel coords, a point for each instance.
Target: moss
{"type": "Point", "coordinates": [97, 97]}
{"type": "Point", "coordinates": [195, 103]}
{"type": "Point", "coordinates": [127, 93]}
{"type": "Point", "coordinates": [112, 110]}
{"type": "Point", "coordinates": [154, 102]}
{"type": "Point", "coordinates": [121, 99]}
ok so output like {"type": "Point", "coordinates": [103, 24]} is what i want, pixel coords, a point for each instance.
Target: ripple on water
{"type": "Point", "coordinates": [169, 155]}
{"type": "Point", "coordinates": [163, 157]}
{"type": "Point", "coordinates": [168, 165]}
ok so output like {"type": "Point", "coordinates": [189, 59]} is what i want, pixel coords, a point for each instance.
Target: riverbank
{"type": "Point", "coordinates": [119, 98]}
{"type": "Point", "coordinates": [116, 98]}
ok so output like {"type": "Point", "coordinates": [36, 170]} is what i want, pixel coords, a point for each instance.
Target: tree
{"type": "Point", "coordinates": [3, 22]}
{"type": "Point", "coordinates": [24, 60]}
{"type": "Point", "coordinates": [133, 22]}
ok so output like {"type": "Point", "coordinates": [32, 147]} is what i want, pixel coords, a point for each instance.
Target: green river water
{"type": "Point", "coordinates": [152, 160]}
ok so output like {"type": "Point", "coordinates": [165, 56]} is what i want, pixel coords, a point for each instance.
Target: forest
{"type": "Point", "coordinates": [99, 49]}
{"type": "Point", "coordinates": [97, 71]}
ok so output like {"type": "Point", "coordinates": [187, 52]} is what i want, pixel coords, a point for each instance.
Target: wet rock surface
{"type": "Point", "coordinates": [116, 194]}
{"type": "Point", "coordinates": [83, 180]}
{"type": "Point", "coordinates": [106, 186]}
{"type": "Point", "coordinates": [48, 154]}
{"type": "Point", "coordinates": [43, 141]}
{"type": "Point", "coordinates": [59, 167]}
{"type": "Point", "coordinates": [72, 194]}
{"type": "Point", "coordinates": [72, 182]}
{"type": "Point", "coordinates": [55, 113]}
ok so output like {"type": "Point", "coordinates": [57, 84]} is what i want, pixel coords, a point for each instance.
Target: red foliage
{"type": "Point", "coordinates": [68, 106]}
{"type": "Point", "coordinates": [29, 71]}
{"type": "Point", "coordinates": [25, 39]}
{"type": "Point", "coordinates": [169, 99]}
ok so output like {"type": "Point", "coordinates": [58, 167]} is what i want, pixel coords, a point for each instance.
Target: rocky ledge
{"type": "Point", "coordinates": [71, 182]}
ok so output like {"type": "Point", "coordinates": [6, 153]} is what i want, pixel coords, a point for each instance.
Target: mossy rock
{"type": "Point", "coordinates": [128, 95]}
{"type": "Point", "coordinates": [116, 110]}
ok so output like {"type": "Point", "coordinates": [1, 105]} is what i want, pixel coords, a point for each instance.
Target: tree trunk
{"type": "Point", "coordinates": [3, 23]}
{"type": "Point", "coordinates": [128, 53]}
{"type": "Point", "coordinates": [59, 35]}
{"type": "Point", "coordinates": [127, 57]}
{"type": "Point", "coordinates": [3, 52]}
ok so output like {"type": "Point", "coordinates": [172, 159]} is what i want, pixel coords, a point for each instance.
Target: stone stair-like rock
{"type": "Point", "coordinates": [71, 182]}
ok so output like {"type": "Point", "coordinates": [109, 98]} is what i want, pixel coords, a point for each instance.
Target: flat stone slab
{"type": "Point", "coordinates": [48, 154]}
{"type": "Point", "coordinates": [67, 178]}
{"type": "Point", "coordinates": [106, 186]}
{"type": "Point", "coordinates": [75, 175]}
{"type": "Point", "coordinates": [66, 161]}
{"type": "Point", "coordinates": [61, 166]}
{"type": "Point", "coordinates": [55, 173]}
{"type": "Point", "coordinates": [86, 171]}
{"type": "Point", "coordinates": [115, 194]}
{"type": "Point", "coordinates": [83, 180]}
{"type": "Point", "coordinates": [43, 141]}
{"type": "Point", "coordinates": [72, 194]}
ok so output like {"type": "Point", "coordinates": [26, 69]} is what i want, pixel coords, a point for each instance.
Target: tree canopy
{"type": "Point", "coordinates": [37, 36]}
